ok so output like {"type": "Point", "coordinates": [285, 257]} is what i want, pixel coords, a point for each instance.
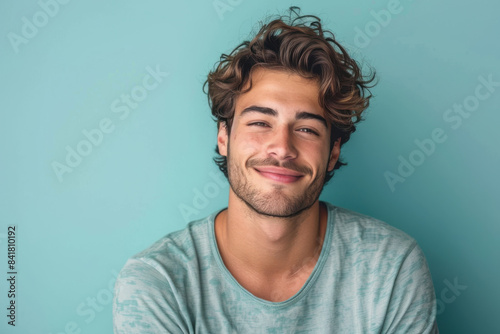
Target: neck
{"type": "Point", "coordinates": [270, 247]}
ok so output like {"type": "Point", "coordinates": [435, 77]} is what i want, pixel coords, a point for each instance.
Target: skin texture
{"type": "Point", "coordinates": [270, 236]}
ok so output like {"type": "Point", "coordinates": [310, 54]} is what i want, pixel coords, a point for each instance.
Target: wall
{"type": "Point", "coordinates": [106, 142]}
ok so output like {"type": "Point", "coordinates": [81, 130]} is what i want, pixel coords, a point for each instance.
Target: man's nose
{"type": "Point", "coordinates": [281, 145]}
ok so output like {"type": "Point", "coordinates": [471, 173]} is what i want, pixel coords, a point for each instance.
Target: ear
{"type": "Point", "coordinates": [222, 139]}
{"type": "Point", "coordinates": [334, 155]}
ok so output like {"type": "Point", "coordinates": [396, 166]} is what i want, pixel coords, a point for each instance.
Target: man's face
{"type": "Point", "coordinates": [278, 148]}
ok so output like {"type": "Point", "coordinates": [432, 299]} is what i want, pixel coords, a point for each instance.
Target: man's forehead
{"type": "Point", "coordinates": [259, 74]}
{"type": "Point", "coordinates": [278, 89]}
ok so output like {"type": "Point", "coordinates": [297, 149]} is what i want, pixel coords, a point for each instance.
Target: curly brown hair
{"type": "Point", "coordinates": [298, 44]}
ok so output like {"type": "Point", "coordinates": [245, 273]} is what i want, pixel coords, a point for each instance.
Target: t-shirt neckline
{"type": "Point", "coordinates": [325, 251]}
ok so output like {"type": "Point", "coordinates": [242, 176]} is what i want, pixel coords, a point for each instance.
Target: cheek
{"type": "Point", "coordinates": [247, 144]}
{"type": "Point", "coordinates": [317, 156]}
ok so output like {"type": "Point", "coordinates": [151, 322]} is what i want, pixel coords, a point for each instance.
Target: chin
{"type": "Point", "coordinates": [276, 204]}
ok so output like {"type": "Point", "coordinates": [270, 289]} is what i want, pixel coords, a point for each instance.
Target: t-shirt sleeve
{"type": "Point", "coordinates": [412, 308]}
{"type": "Point", "coordinates": [144, 302]}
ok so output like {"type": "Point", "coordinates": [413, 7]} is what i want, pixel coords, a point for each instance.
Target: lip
{"type": "Point", "coordinates": [279, 174]}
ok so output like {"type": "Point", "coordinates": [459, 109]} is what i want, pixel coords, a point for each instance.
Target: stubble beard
{"type": "Point", "coordinates": [274, 203]}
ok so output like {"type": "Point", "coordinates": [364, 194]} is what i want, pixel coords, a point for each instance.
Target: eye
{"type": "Point", "coordinates": [258, 124]}
{"type": "Point", "coordinates": [309, 131]}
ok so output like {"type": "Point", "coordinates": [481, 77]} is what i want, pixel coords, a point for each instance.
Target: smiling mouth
{"type": "Point", "coordinates": [279, 174]}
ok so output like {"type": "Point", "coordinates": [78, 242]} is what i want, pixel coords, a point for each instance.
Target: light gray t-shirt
{"type": "Point", "coordinates": [369, 278]}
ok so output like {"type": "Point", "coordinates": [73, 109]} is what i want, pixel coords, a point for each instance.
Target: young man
{"type": "Point", "coordinates": [277, 260]}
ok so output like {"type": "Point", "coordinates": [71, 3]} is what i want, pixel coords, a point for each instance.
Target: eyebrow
{"type": "Point", "coordinates": [264, 110]}
{"type": "Point", "coordinates": [308, 115]}
{"type": "Point", "coordinates": [272, 112]}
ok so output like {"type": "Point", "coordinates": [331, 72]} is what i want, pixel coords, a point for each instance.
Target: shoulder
{"type": "Point", "coordinates": [180, 245]}
{"type": "Point", "coordinates": [368, 243]}
{"type": "Point", "coordinates": [387, 269]}
{"type": "Point", "coordinates": [360, 229]}
{"type": "Point", "coordinates": [172, 255]}
{"type": "Point", "coordinates": [151, 288]}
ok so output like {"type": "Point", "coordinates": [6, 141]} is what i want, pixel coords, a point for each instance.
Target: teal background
{"type": "Point", "coordinates": [145, 178]}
